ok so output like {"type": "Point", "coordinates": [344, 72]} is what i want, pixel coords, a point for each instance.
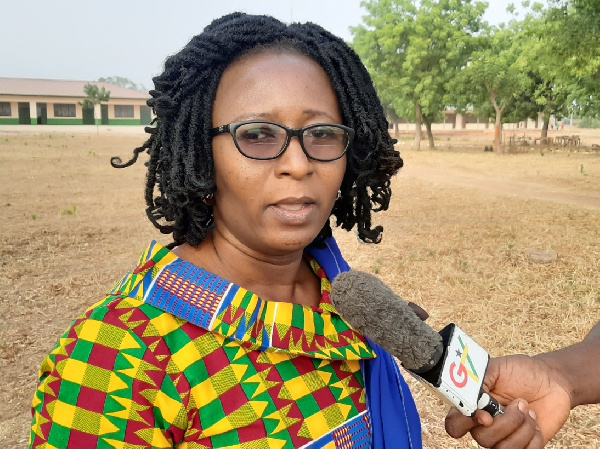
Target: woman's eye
{"type": "Point", "coordinates": [257, 135]}
{"type": "Point", "coordinates": [323, 134]}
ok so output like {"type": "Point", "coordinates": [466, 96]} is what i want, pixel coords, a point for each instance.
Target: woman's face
{"type": "Point", "coordinates": [278, 206]}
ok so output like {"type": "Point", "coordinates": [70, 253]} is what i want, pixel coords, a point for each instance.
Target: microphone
{"type": "Point", "coordinates": [450, 363]}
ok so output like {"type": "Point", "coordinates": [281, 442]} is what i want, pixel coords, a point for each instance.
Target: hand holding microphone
{"type": "Point", "coordinates": [450, 363]}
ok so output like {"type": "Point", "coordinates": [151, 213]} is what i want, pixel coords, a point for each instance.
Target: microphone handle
{"type": "Point", "coordinates": [490, 405]}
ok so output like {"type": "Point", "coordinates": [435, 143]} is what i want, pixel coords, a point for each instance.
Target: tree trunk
{"type": "Point", "coordinates": [95, 122]}
{"type": "Point", "coordinates": [429, 133]}
{"type": "Point", "coordinates": [545, 126]}
{"type": "Point", "coordinates": [418, 126]}
{"type": "Point", "coordinates": [497, 132]}
{"type": "Point", "coordinates": [498, 124]}
{"type": "Point", "coordinates": [396, 130]}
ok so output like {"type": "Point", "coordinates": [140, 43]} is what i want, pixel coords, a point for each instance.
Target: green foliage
{"type": "Point", "coordinates": [529, 70]}
{"type": "Point", "coordinates": [558, 87]}
{"type": "Point", "coordinates": [576, 34]}
{"type": "Point", "coordinates": [570, 33]}
{"type": "Point", "coordinates": [436, 54]}
{"type": "Point", "coordinates": [382, 43]}
{"type": "Point", "coordinates": [94, 96]}
{"type": "Point", "coordinates": [413, 50]}
{"type": "Point", "coordinates": [493, 77]}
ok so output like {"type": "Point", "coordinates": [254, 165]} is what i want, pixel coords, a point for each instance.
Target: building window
{"type": "Point", "coordinates": [123, 111]}
{"type": "Point", "coordinates": [64, 110]}
{"type": "Point", "coordinates": [5, 109]}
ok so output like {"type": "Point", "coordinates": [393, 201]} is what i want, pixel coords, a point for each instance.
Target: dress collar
{"type": "Point", "coordinates": [193, 294]}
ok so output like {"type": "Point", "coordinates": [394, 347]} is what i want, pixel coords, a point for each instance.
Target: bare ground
{"type": "Point", "coordinates": [460, 234]}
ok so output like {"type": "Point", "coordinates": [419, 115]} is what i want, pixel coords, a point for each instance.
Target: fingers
{"type": "Point", "coordinates": [484, 418]}
{"type": "Point", "coordinates": [420, 312]}
{"type": "Point", "coordinates": [458, 425]}
{"type": "Point", "coordinates": [515, 429]}
{"type": "Point", "coordinates": [537, 442]}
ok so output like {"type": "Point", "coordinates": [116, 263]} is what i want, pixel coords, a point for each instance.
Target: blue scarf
{"type": "Point", "coordinates": [394, 417]}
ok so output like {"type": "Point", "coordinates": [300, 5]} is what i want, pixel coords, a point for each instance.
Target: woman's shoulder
{"type": "Point", "coordinates": [125, 323]}
{"type": "Point", "coordinates": [124, 318]}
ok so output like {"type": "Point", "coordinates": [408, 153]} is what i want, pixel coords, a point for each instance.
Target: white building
{"type": "Point", "coordinates": [28, 101]}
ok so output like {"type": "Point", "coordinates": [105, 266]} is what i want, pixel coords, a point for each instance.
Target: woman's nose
{"type": "Point", "coordinates": [294, 161]}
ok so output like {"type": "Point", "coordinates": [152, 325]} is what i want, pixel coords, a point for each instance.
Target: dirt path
{"type": "Point", "coordinates": [520, 188]}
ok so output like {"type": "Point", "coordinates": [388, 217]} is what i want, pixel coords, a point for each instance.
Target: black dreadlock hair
{"type": "Point", "coordinates": [181, 168]}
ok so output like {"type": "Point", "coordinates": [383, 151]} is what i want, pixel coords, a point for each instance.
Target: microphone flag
{"type": "Point", "coordinates": [459, 378]}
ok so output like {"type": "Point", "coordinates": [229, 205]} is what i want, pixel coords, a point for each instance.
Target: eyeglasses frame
{"type": "Point", "coordinates": [231, 128]}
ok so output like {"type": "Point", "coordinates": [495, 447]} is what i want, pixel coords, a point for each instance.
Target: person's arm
{"type": "Point", "coordinates": [551, 383]}
{"type": "Point", "coordinates": [579, 365]}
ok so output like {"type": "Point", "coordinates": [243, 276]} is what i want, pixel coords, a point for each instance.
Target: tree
{"type": "Point", "coordinates": [413, 51]}
{"type": "Point", "coordinates": [564, 69]}
{"type": "Point", "coordinates": [548, 89]}
{"type": "Point", "coordinates": [543, 96]}
{"type": "Point", "coordinates": [572, 33]}
{"type": "Point", "coordinates": [493, 76]}
{"type": "Point", "coordinates": [94, 96]}
{"type": "Point", "coordinates": [382, 43]}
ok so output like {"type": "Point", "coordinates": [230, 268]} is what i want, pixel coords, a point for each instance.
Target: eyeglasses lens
{"type": "Point", "coordinates": [266, 140]}
{"type": "Point", "coordinates": [325, 142]}
{"type": "Point", "coordinates": [260, 140]}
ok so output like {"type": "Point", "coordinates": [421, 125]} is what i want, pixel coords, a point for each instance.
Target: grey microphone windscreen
{"type": "Point", "coordinates": [375, 311]}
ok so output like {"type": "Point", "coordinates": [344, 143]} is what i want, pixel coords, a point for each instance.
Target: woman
{"type": "Point", "coordinates": [227, 336]}
{"type": "Point", "coordinates": [263, 132]}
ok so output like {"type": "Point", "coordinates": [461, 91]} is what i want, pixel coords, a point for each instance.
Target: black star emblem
{"type": "Point", "coordinates": [458, 353]}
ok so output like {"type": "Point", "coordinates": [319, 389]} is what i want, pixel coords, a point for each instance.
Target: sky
{"type": "Point", "coordinates": [85, 40]}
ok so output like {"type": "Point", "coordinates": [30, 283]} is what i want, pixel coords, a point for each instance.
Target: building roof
{"type": "Point", "coordinates": [63, 88]}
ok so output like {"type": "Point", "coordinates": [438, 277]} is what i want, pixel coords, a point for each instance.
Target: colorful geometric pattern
{"type": "Point", "coordinates": [176, 356]}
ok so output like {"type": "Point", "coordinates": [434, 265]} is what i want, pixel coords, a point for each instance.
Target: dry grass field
{"type": "Point", "coordinates": [463, 238]}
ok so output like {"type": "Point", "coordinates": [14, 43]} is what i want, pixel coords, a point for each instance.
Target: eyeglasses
{"type": "Point", "coordinates": [268, 140]}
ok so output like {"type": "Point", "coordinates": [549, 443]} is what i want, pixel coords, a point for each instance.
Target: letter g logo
{"type": "Point", "coordinates": [460, 377]}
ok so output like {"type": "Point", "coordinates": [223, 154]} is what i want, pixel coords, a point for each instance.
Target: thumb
{"type": "Point", "coordinates": [458, 425]}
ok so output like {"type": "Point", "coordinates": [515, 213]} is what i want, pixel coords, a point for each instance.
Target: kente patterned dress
{"type": "Point", "coordinates": [175, 356]}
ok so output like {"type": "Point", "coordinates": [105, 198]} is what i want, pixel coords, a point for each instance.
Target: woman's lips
{"type": "Point", "coordinates": [292, 207]}
{"type": "Point", "coordinates": [293, 211]}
